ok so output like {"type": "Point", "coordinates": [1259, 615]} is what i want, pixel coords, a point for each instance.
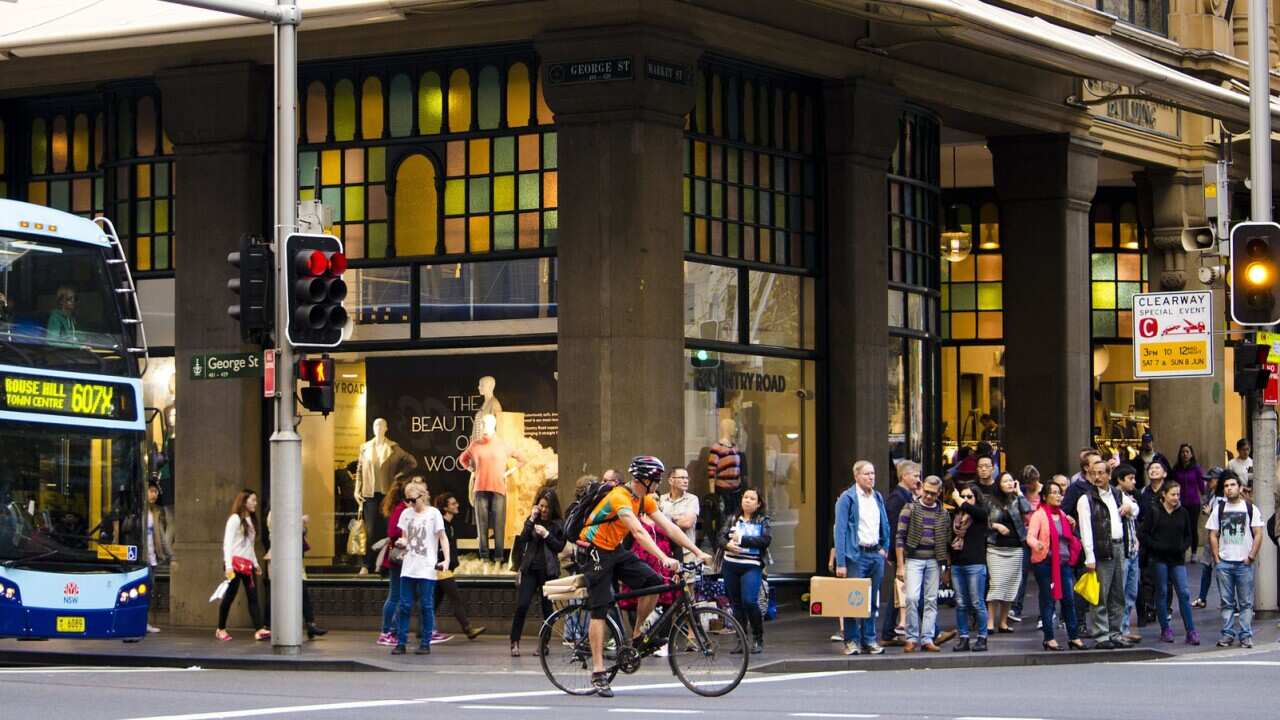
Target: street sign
{"type": "Point", "coordinates": [216, 366]}
{"type": "Point", "coordinates": [1272, 339]}
{"type": "Point", "coordinates": [269, 374]}
{"type": "Point", "coordinates": [1271, 394]}
{"type": "Point", "coordinates": [1172, 334]}
{"type": "Point", "coordinates": [594, 70]}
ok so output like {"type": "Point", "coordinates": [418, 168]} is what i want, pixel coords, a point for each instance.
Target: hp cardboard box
{"type": "Point", "coordinates": [840, 597]}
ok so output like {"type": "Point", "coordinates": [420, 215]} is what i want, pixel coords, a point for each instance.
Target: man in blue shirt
{"type": "Point", "coordinates": [862, 543]}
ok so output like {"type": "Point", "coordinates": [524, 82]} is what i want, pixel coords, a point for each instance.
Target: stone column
{"type": "Point", "coordinates": [217, 117]}
{"type": "Point", "coordinates": [621, 292]}
{"type": "Point", "coordinates": [1045, 184]}
{"type": "Point", "coordinates": [861, 132]}
{"type": "Point", "coordinates": [1190, 410]}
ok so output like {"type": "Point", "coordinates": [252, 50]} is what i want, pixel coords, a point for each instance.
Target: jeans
{"type": "Point", "coordinates": [922, 587]}
{"type": "Point", "coordinates": [392, 605]}
{"type": "Point", "coordinates": [742, 583]}
{"type": "Point", "coordinates": [1132, 579]}
{"type": "Point", "coordinates": [1206, 576]}
{"type": "Point", "coordinates": [1164, 572]}
{"type": "Point", "coordinates": [426, 590]}
{"type": "Point", "coordinates": [1110, 594]}
{"type": "Point", "coordinates": [970, 583]}
{"type": "Point", "coordinates": [888, 610]}
{"type": "Point", "coordinates": [375, 528]}
{"type": "Point", "coordinates": [1235, 585]}
{"type": "Point", "coordinates": [1044, 579]}
{"type": "Point", "coordinates": [869, 565]}
{"type": "Point", "coordinates": [491, 512]}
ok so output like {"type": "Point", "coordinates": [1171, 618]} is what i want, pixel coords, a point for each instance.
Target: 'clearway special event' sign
{"type": "Point", "coordinates": [1172, 334]}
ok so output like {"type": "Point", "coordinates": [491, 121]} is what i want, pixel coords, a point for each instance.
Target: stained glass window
{"type": "Point", "coordinates": [973, 289]}
{"type": "Point", "coordinates": [751, 184]}
{"type": "Point", "coordinates": [66, 165]}
{"type": "Point", "coordinates": [913, 228]}
{"type": "Point", "coordinates": [142, 179]}
{"type": "Point", "coordinates": [1117, 264]}
{"type": "Point", "coordinates": [450, 160]}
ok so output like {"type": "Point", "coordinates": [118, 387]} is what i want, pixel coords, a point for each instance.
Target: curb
{"type": "Point", "coordinates": [950, 662]}
{"type": "Point", "coordinates": [26, 658]}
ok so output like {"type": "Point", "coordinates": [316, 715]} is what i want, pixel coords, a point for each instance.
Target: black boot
{"type": "Point", "coordinates": [962, 645]}
{"type": "Point", "coordinates": [980, 644]}
{"type": "Point", "coordinates": [314, 631]}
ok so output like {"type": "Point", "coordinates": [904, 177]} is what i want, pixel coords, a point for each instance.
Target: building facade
{"type": "Point", "coordinates": [804, 234]}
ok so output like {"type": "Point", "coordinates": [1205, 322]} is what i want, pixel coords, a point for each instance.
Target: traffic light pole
{"type": "Point", "coordinates": [1264, 416]}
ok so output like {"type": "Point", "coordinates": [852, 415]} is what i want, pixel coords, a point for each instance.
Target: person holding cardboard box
{"type": "Point", "coordinates": [862, 539]}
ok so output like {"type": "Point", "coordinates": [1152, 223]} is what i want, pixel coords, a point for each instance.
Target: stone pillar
{"type": "Point", "coordinates": [1190, 410]}
{"type": "Point", "coordinates": [861, 121]}
{"type": "Point", "coordinates": [217, 117]}
{"type": "Point", "coordinates": [1045, 184]}
{"type": "Point", "coordinates": [621, 292]}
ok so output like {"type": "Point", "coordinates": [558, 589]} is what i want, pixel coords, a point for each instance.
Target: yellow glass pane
{"type": "Point", "coordinates": [550, 190]}
{"type": "Point", "coordinates": [504, 193]}
{"type": "Point", "coordinates": [331, 167]}
{"type": "Point", "coordinates": [990, 325]}
{"type": "Point", "coordinates": [415, 230]}
{"type": "Point", "coordinates": [455, 197]}
{"type": "Point", "coordinates": [166, 145]}
{"type": "Point", "coordinates": [1104, 296]}
{"type": "Point", "coordinates": [430, 104]}
{"type": "Point", "coordinates": [456, 161]}
{"type": "Point", "coordinates": [700, 235]}
{"type": "Point", "coordinates": [963, 271]}
{"type": "Point", "coordinates": [146, 127]}
{"type": "Point", "coordinates": [143, 245]}
{"type": "Point", "coordinates": [143, 173]}
{"type": "Point", "coordinates": [39, 147]}
{"type": "Point", "coordinates": [317, 113]}
{"type": "Point", "coordinates": [479, 157]}
{"type": "Point", "coordinates": [353, 203]}
{"type": "Point", "coordinates": [1129, 236]}
{"type": "Point", "coordinates": [371, 114]}
{"type": "Point", "coordinates": [699, 159]}
{"type": "Point", "coordinates": [479, 233]}
{"type": "Point", "coordinates": [990, 268]}
{"type": "Point", "coordinates": [517, 95]}
{"type": "Point", "coordinates": [38, 193]}
{"type": "Point", "coordinates": [963, 326]}
{"type": "Point", "coordinates": [59, 144]}
{"type": "Point", "coordinates": [1102, 234]}
{"type": "Point", "coordinates": [544, 113]}
{"type": "Point", "coordinates": [455, 236]}
{"type": "Point", "coordinates": [459, 101]}
{"type": "Point", "coordinates": [80, 144]}
{"type": "Point", "coordinates": [161, 212]}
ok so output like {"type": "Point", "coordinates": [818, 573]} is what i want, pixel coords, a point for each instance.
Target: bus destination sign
{"type": "Point", "coordinates": [65, 396]}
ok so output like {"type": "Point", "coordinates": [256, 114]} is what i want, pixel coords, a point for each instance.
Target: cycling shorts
{"type": "Point", "coordinates": [604, 568]}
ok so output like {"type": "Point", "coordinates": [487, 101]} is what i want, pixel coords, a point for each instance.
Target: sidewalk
{"type": "Point", "coordinates": [793, 643]}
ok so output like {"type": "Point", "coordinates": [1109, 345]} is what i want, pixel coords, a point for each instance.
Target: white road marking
{"type": "Point", "coordinates": [87, 669]}
{"type": "Point", "coordinates": [504, 707]}
{"type": "Point", "coordinates": [988, 717]}
{"type": "Point", "coordinates": [831, 715]}
{"type": "Point", "coordinates": [648, 711]}
{"type": "Point", "coordinates": [475, 698]}
{"type": "Point", "coordinates": [1213, 663]}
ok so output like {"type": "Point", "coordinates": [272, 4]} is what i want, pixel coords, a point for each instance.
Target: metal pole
{"type": "Point", "coordinates": [1264, 416]}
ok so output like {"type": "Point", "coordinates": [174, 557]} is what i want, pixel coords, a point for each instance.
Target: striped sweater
{"type": "Point", "coordinates": [724, 466]}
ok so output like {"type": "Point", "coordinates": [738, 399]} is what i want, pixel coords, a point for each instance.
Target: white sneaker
{"type": "Point", "coordinates": [662, 651]}
{"type": "Point", "coordinates": [152, 628]}
{"type": "Point", "coordinates": [852, 648]}
{"type": "Point", "coordinates": [837, 638]}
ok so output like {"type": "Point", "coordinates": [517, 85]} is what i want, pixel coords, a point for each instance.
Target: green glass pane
{"type": "Point", "coordinates": [530, 189]}
{"type": "Point", "coordinates": [161, 178]}
{"type": "Point", "coordinates": [161, 223]}
{"type": "Point", "coordinates": [430, 104]}
{"type": "Point", "coordinates": [306, 194]}
{"type": "Point", "coordinates": [1124, 294]}
{"type": "Point", "coordinates": [700, 197]}
{"type": "Point", "coordinates": [39, 147]}
{"type": "Point", "coordinates": [946, 298]}
{"type": "Point", "coordinates": [455, 197]}
{"type": "Point", "coordinates": [401, 101]}
{"type": "Point", "coordinates": [688, 234]}
{"type": "Point", "coordinates": [717, 200]}
{"type": "Point", "coordinates": [686, 194]}
{"type": "Point", "coordinates": [1104, 324]}
{"type": "Point", "coordinates": [333, 198]}
{"type": "Point", "coordinates": [160, 253]}
{"type": "Point", "coordinates": [504, 232]}
{"type": "Point", "coordinates": [144, 216]}
{"type": "Point", "coordinates": [376, 241]}
{"type": "Point", "coordinates": [504, 154]}
{"type": "Point", "coordinates": [733, 156]}
{"type": "Point", "coordinates": [344, 111]}
{"type": "Point", "coordinates": [962, 297]}
{"type": "Point", "coordinates": [98, 193]}
{"type": "Point", "coordinates": [123, 220]}
{"type": "Point", "coordinates": [307, 169]}
{"type": "Point", "coordinates": [1104, 296]}
{"type": "Point", "coordinates": [489, 99]}
{"type": "Point", "coordinates": [1104, 266]}
{"type": "Point", "coordinates": [734, 247]}
{"type": "Point", "coordinates": [550, 227]}
{"type": "Point", "coordinates": [478, 195]}
{"type": "Point", "coordinates": [504, 193]}
{"type": "Point", "coordinates": [989, 296]}
{"type": "Point", "coordinates": [353, 199]}
{"type": "Point", "coordinates": [124, 128]}
{"type": "Point", "coordinates": [749, 206]}
{"type": "Point", "coordinates": [549, 151]}
{"type": "Point", "coordinates": [766, 206]}
{"type": "Point", "coordinates": [946, 326]}
{"type": "Point", "coordinates": [377, 164]}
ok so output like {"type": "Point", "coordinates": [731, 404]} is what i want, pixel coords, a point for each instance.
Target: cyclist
{"type": "Point", "coordinates": [605, 561]}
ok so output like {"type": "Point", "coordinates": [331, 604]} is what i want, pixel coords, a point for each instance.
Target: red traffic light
{"type": "Point", "coordinates": [316, 372]}
{"type": "Point", "coordinates": [312, 262]}
{"type": "Point", "coordinates": [337, 263]}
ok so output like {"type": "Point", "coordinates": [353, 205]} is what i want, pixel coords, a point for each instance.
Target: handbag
{"type": "Point", "coordinates": [242, 565]}
{"type": "Point", "coordinates": [356, 537]}
{"type": "Point", "coordinates": [767, 601]}
{"type": "Point", "coordinates": [397, 554]}
{"type": "Point", "coordinates": [1088, 587]}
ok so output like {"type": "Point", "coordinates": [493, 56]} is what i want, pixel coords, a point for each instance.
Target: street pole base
{"type": "Point", "coordinates": [286, 649]}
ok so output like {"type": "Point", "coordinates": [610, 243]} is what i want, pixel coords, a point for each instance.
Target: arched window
{"type": "Point", "coordinates": [401, 102]}
{"type": "Point", "coordinates": [371, 117]}
{"type": "Point", "coordinates": [317, 113]}
{"type": "Point", "coordinates": [344, 111]}
{"type": "Point", "coordinates": [489, 99]}
{"type": "Point", "coordinates": [430, 104]}
{"type": "Point", "coordinates": [416, 207]}
{"type": "Point", "coordinates": [517, 95]}
{"type": "Point", "coordinates": [459, 101]}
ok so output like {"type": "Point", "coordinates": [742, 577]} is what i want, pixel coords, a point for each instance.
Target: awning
{"type": "Point", "coordinates": [988, 28]}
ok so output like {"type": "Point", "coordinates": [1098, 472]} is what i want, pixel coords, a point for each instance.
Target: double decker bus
{"type": "Point", "coordinates": [73, 554]}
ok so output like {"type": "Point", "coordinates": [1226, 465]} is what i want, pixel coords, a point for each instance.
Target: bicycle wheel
{"type": "Point", "coordinates": [566, 651]}
{"type": "Point", "coordinates": [701, 657]}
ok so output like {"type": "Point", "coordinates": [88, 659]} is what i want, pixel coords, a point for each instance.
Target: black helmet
{"type": "Point", "coordinates": [647, 468]}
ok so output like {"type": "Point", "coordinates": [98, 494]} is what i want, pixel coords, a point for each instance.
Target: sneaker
{"type": "Point", "coordinates": [851, 648]}
{"type": "Point", "coordinates": [1193, 637]}
{"type": "Point", "coordinates": [474, 632]}
{"type": "Point", "coordinates": [263, 634]}
{"type": "Point", "coordinates": [837, 638]}
{"type": "Point", "coordinates": [397, 650]}
{"type": "Point", "coordinates": [1246, 642]}
{"type": "Point", "coordinates": [222, 635]}
{"type": "Point", "coordinates": [388, 639]}
{"type": "Point", "coordinates": [1226, 641]}
{"type": "Point", "coordinates": [439, 637]}
{"type": "Point", "coordinates": [662, 651]}
{"type": "Point", "coordinates": [873, 649]}
{"type": "Point", "coordinates": [152, 629]}
{"type": "Point", "coordinates": [600, 681]}
{"type": "Point", "coordinates": [962, 645]}
{"type": "Point", "coordinates": [1015, 618]}
{"type": "Point", "coordinates": [1197, 603]}
{"type": "Point", "coordinates": [1039, 624]}
{"type": "Point", "coordinates": [1166, 635]}
{"type": "Point", "coordinates": [757, 646]}
{"type": "Point", "coordinates": [944, 636]}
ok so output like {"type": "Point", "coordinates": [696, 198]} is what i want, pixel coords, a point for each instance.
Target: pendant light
{"type": "Point", "coordinates": [957, 242]}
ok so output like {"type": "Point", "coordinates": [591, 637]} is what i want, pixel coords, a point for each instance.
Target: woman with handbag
{"type": "Point", "coordinates": [240, 563]}
{"type": "Point", "coordinates": [392, 505]}
{"type": "Point", "coordinates": [745, 540]}
{"type": "Point", "coordinates": [541, 541]}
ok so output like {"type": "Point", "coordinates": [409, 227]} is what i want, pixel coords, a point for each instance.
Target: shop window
{"type": "Point", "coordinates": [512, 296]}
{"type": "Point", "coordinates": [972, 386]}
{"type": "Point", "coordinates": [1117, 265]}
{"type": "Point", "coordinates": [711, 302]}
{"type": "Point", "coordinates": [379, 302]}
{"type": "Point", "coordinates": [760, 410]}
{"type": "Point", "coordinates": [750, 173]}
{"type": "Point", "coordinates": [1122, 403]}
{"type": "Point", "coordinates": [748, 307]}
{"type": "Point", "coordinates": [780, 310]}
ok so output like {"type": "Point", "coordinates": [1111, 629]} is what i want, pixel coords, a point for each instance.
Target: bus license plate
{"type": "Point", "coordinates": [70, 625]}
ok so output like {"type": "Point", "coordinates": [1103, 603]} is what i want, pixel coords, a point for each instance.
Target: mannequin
{"type": "Point", "coordinates": [491, 406]}
{"type": "Point", "coordinates": [725, 469]}
{"type": "Point", "coordinates": [381, 460]}
{"type": "Point", "coordinates": [486, 457]}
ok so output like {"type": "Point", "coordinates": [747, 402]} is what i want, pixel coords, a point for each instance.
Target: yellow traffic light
{"type": "Point", "coordinates": [1258, 273]}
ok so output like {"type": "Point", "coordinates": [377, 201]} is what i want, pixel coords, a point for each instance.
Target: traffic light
{"type": "Point", "coordinates": [254, 264]}
{"type": "Point", "coordinates": [1251, 372]}
{"type": "Point", "coordinates": [704, 359]}
{"type": "Point", "coordinates": [316, 290]}
{"type": "Point", "coordinates": [1255, 273]}
{"type": "Point", "coordinates": [317, 396]}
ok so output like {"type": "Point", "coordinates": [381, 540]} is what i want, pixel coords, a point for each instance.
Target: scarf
{"type": "Point", "coordinates": [1055, 560]}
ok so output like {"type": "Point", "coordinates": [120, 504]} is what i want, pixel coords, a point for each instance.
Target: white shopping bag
{"type": "Point", "coordinates": [219, 591]}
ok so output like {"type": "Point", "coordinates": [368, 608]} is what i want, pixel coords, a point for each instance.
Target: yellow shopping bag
{"type": "Point", "coordinates": [1087, 587]}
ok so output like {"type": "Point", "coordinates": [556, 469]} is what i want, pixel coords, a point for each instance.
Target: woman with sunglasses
{"type": "Point", "coordinates": [969, 567]}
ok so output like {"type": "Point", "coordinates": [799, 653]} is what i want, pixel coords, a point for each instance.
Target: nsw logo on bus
{"type": "Point", "coordinates": [70, 593]}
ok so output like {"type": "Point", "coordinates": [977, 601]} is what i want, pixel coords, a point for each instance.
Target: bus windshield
{"type": "Point", "coordinates": [70, 496]}
{"type": "Point", "coordinates": [57, 307]}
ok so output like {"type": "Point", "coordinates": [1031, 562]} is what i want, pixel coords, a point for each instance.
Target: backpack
{"type": "Point", "coordinates": [1272, 531]}
{"type": "Point", "coordinates": [576, 517]}
{"type": "Point", "coordinates": [1248, 523]}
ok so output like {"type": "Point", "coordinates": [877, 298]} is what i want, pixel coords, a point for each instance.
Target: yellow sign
{"type": "Point", "coordinates": [1272, 339]}
{"type": "Point", "coordinates": [31, 393]}
{"type": "Point", "coordinates": [1168, 357]}
{"type": "Point", "coordinates": [69, 624]}
{"type": "Point", "coordinates": [117, 552]}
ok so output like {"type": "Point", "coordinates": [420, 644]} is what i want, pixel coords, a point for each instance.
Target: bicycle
{"type": "Point", "coordinates": [699, 656]}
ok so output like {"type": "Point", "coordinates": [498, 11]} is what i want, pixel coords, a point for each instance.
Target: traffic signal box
{"type": "Point", "coordinates": [1255, 273]}
{"type": "Point", "coordinates": [317, 395]}
{"type": "Point", "coordinates": [1251, 372]}
{"type": "Point", "coordinates": [253, 286]}
{"type": "Point", "coordinates": [316, 290]}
